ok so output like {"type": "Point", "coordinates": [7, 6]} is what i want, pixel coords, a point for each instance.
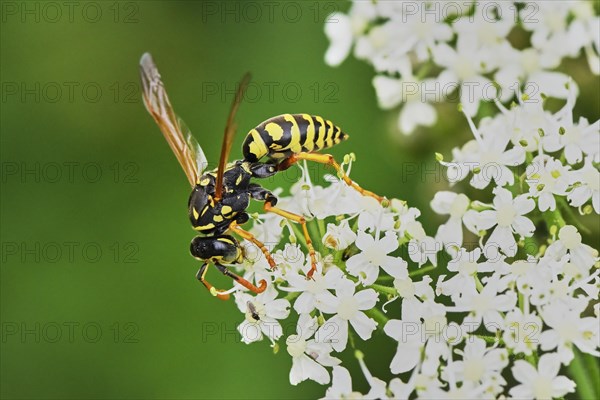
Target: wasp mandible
{"type": "Point", "coordinates": [219, 199]}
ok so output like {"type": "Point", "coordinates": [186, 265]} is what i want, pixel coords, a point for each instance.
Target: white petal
{"type": "Point", "coordinates": [405, 359]}
{"type": "Point", "coordinates": [366, 299]}
{"type": "Point", "coordinates": [363, 325]}
{"type": "Point", "coordinates": [340, 36]}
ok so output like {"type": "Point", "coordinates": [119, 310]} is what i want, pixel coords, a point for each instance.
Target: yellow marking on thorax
{"type": "Point", "coordinates": [238, 180]}
{"type": "Point", "coordinates": [205, 181]}
{"type": "Point", "coordinates": [226, 210]}
{"type": "Point", "coordinates": [257, 145]}
{"type": "Point", "coordinates": [274, 130]}
{"type": "Point", "coordinates": [203, 227]}
{"type": "Point", "coordinates": [296, 140]}
{"type": "Point", "coordinates": [309, 143]}
{"type": "Point", "coordinates": [195, 213]}
{"type": "Point", "coordinates": [218, 218]}
{"type": "Point", "coordinates": [320, 142]}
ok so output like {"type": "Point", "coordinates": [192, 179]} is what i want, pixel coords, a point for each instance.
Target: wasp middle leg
{"type": "Point", "coordinates": [327, 159]}
{"type": "Point", "coordinates": [234, 227]}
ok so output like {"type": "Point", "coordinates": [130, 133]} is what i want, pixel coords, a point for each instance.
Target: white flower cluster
{"type": "Point", "coordinates": [511, 306]}
{"type": "Point", "coordinates": [431, 51]}
{"type": "Point", "coordinates": [514, 296]}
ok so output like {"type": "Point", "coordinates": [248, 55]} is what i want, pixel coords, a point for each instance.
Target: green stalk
{"type": "Point", "coordinates": [384, 289]}
{"type": "Point", "coordinates": [572, 217]}
{"type": "Point", "coordinates": [378, 316]}
{"type": "Point", "coordinates": [421, 271]}
{"type": "Point", "coordinates": [321, 225]}
{"type": "Point", "coordinates": [299, 235]}
{"type": "Point", "coordinates": [586, 387]}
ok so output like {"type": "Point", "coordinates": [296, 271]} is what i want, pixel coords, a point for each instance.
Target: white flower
{"type": "Point", "coordinates": [348, 307]}
{"type": "Point", "coordinates": [586, 27]}
{"type": "Point", "coordinates": [466, 391]}
{"type": "Point", "coordinates": [507, 217]}
{"type": "Point", "coordinates": [311, 289]}
{"type": "Point", "coordinates": [569, 242]}
{"type": "Point", "coordinates": [576, 139]}
{"type": "Point", "coordinates": [540, 383]}
{"type": "Point", "coordinates": [262, 313]}
{"type": "Point", "coordinates": [487, 156]}
{"type": "Point", "coordinates": [414, 93]}
{"type": "Point", "coordinates": [407, 288]}
{"type": "Point", "coordinates": [480, 365]}
{"type": "Point", "coordinates": [341, 387]}
{"type": "Point", "coordinates": [421, 247]}
{"type": "Point", "coordinates": [420, 31]}
{"type": "Point", "coordinates": [308, 356]}
{"type": "Point", "coordinates": [338, 237]}
{"type": "Point", "coordinates": [567, 329]}
{"type": "Point", "coordinates": [464, 69]}
{"type": "Point", "coordinates": [289, 259]}
{"type": "Point", "coordinates": [588, 186]}
{"type": "Point", "coordinates": [423, 325]}
{"type": "Point", "coordinates": [550, 28]}
{"type": "Point", "coordinates": [373, 217]}
{"type": "Point", "coordinates": [374, 254]}
{"type": "Point", "coordinates": [341, 29]}
{"type": "Point", "coordinates": [468, 266]}
{"type": "Point", "coordinates": [455, 205]}
{"type": "Point", "coordinates": [522, 332]}
{"type": "Point", "coordinates": [529, 68]}
{"type": "Point", "coordinates": [547, 177]}
{"type": "Point", "coordinates": [487, 305]}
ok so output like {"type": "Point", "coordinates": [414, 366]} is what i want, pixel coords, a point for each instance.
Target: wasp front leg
{"type": "Point", "coordinates": [327, 159]}
{"type": "Point", "coordinates": [220, 249]}
{"type": "Point", "coordinates": [223, 295]}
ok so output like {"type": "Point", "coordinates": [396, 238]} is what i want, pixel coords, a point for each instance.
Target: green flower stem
{"type": "Point", "coordinates": [291, 295]}
{"type": "Point", "coordinates": [378, 316]}
{"type": "Point", "coordinates": [298, 233]}
{"type": "Point", "coordinates": [321, 225]}
{"type": "Point", "coordinates": [572, 217]}
{"type": "Point", "coordinates": [478, 284]}
{"type": "Point", "coordinates": [490, 339]}
{"type": "Point", "coordinates": [587, 379]}
{"type": "Point", "coordinates": [554, 218]}
{"type": "Point", "coordinates": [384, 289]}
{"type": "Point", "coordinates": [421, 271]}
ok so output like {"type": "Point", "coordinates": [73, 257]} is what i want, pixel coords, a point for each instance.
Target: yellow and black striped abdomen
{"type": "Point", "coordinates": [288, 134]}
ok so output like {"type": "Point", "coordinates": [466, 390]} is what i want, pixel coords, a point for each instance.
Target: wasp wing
{"type": "Point", "coordinates": [230, 128]}
{"type": "Point", "coordinates": [180, 139]}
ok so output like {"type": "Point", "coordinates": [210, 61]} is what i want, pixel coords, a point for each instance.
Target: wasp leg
{"type": "Point", "coordinates": [234, 227]}
{"type": "Point", "coordinates": [261, 194]}
{"type": "Point", "coordinates": [200, 275]}
{"type": "Point", "coordinates": [302, 221]}
{"type": "Point", "coordinates": [328, 160]}
{"type": "Point", "coordinates": [225, 271]}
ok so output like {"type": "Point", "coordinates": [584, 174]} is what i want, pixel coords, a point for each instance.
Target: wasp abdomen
{"type": "Point", "coordinates": [288, 134]}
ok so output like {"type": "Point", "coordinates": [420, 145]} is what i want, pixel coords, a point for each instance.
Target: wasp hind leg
{"type": "Point", "coordinates": [327, 159]}
{"type": "Point", "coordinates": [268, 207]}
{"type": "Point", "coordinates": [200, 275]}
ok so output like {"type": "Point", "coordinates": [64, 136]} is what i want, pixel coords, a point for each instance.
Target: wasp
{"type": "Point", "coordinates": [219, 198]}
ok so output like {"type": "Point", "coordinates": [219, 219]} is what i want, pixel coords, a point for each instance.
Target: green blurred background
{"type": "Point", "coordinates": [98, 296]}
